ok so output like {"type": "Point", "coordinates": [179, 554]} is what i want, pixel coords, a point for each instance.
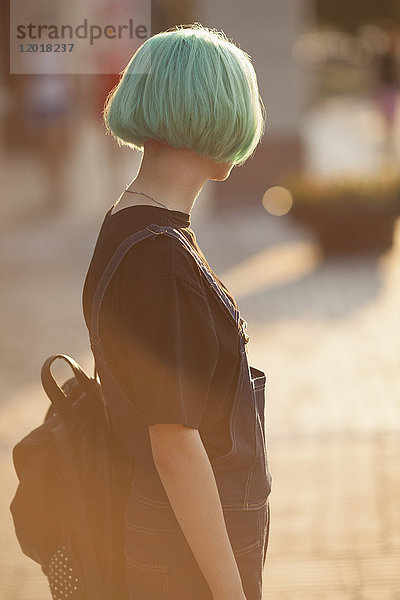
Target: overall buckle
{"type": "Point", "coordinates": [159, 232]}
{"type": "Point", "coordinates": [243, 330]}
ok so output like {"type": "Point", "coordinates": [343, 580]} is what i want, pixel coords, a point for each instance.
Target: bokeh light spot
{"type": "Point", "coordinates": [277, 200]}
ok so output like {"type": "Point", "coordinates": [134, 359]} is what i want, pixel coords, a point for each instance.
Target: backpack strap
{"type": "Point", "coordinates": [56, 394]}
{"type": "Point", "coordinates": [139, 236]}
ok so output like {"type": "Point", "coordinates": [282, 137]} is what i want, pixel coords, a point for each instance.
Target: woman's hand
{"type": "Point", "coordinates": [230, 596]}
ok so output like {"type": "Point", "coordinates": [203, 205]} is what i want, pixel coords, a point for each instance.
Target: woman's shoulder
{"type": "Point", "coordinates": [160, 257]}
{"type": "Point", "coordinates": [157, 256]}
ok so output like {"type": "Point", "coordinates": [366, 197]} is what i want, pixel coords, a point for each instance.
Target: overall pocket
{"type": "Point", "coordinates": [160, 563]}
{"type": "Point", "coordinates": [146, 552]}
{"type": "Point", "coordinates": [146, 581]}
{"type": "Point", "coordinates": [232, 419]}
{"type": "Point", "coordinates": [259, 398]}
{"type": "Point", "coordinates": [258, 485]}
{"type": "Point", "coordinates": [246, 529]}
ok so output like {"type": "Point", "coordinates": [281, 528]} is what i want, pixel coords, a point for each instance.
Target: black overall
{"type": "Point", "coordinates": [159, 561]}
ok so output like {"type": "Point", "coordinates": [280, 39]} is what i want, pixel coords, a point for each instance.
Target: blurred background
{"type": "Point", "coordinates": [308, 241]}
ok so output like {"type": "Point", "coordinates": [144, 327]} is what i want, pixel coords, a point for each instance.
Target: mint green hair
{"type": "Point", "coordinates": [192, 88]}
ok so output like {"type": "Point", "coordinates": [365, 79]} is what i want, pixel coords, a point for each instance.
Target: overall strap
{"type": "Point", "coordinates": [124, 248]}
{"type": "Point", "coordinates": [210, 278]}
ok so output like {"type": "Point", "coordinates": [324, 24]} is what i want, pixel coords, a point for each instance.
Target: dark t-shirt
{"type": "Point", "coordinates": [166, 338]}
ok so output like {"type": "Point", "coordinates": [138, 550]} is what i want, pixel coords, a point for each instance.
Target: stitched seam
{"type": "Point", "coordinates": [250, 506]}
{"type": "Point", "coordinates": [145, 567]}
{"type": "Point", "coordinates": [250, 475]}
{"type": "Point", "coordinates": [230, 507]}
{"type": "Point", "coordinates": [262, 431]}
{"type": "Point", "coordinates": [160, 569]}
{"type": "Point", "coordinates": [165, 583]}
{"type": "Point", "coordinates": [264, 444]}
{"type": "Point", "coordinates": [247, 549]}
{"type": "Point", "coordinates": [151, 502]}
{"type": "Point", "coordinates": [140, 528]}
{"type": "Point", "coordinates": [232, 421]}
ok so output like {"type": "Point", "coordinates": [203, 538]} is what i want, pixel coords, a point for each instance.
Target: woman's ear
{"type": "Point", "coordinates": [221, 171]}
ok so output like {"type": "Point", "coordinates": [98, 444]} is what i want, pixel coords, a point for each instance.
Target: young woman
{"type": "Point", "coordinates": [169, 343]}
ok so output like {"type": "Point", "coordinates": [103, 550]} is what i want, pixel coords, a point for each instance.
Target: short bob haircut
{"type": "Point", "coordinates": [190, 87]}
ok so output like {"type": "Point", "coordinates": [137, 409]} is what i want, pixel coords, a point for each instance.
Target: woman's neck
{"type": "Point", "coordinates": [172, 177]}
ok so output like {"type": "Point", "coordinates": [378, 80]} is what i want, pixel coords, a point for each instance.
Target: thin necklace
{"type": "Point", "coordinates": [157, 202]}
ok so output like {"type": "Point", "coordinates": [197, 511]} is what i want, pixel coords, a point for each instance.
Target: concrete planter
{"type": "Point", "coordinates": [343, 229]}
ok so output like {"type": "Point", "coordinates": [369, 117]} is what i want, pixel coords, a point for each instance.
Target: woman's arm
{"type": "Point", "coordinates": [188, 479]}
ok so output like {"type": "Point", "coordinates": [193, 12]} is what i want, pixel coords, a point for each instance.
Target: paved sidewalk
{"type": "Point", "coordinates": [326, 333]}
